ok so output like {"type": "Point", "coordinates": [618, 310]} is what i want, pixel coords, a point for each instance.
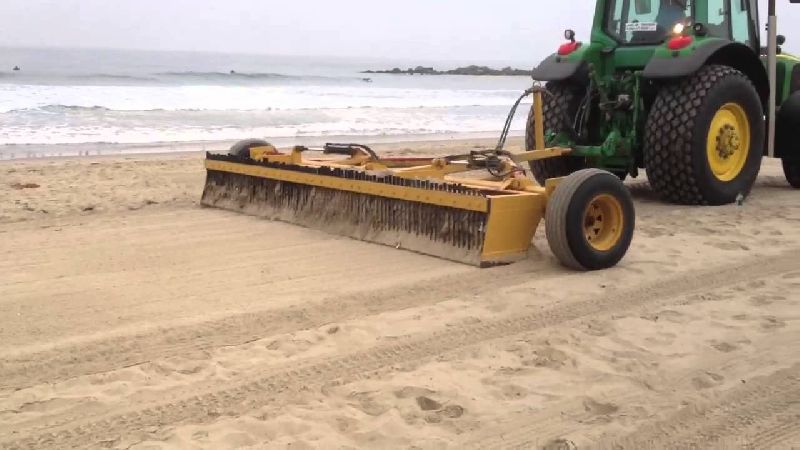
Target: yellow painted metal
{"type": "Point", "coordinates": [538, 117]}
{"type": "Point", "coordinates": [259, 152]}
{"type": "Point", "coordinates": [551, 184]}
{"type": "Point", "coordinates": [535, 155]}
{"type": "Point", "coordinates": [438, 168]}
{"type": "Point", "coordinates": [603, 222]}
{"type": "Point", "coordinates": [268, 153]}
{"type": "Point", "coordinates": [513, 220]}
{"type": "Point", "coordinates": [517, 184]}
{"type": "Point", "coordinates": [439, 198]}
{"type": "Point", "coordinates": [514, 205]}
{"type": "Point", "coordinates": [728, 142]}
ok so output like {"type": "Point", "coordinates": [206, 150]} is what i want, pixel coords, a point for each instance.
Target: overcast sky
{"type": "Point", "coordinates": [481, 30]}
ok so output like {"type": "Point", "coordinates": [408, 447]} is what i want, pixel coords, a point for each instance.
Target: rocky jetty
{"type": "Point", "coordinates": [468, 70]}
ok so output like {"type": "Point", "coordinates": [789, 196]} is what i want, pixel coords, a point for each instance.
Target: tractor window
{"type": "Point", "coordinates": [644, 21]}
{"type": "Point", "coordinates": [718, 24]}
{"type": "Point", "coordinates": [755, 28]}
{"type": "Point", "coordinates": [740, 21]}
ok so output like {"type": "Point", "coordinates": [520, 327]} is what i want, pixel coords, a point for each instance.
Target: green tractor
{"type": "Point", "coordinates": [680, 88]}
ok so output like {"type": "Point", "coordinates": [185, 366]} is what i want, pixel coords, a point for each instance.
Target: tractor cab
{"type": "Point", "coordinates": [645, 22]}
{"type": "Point", "coordinates": [652, 22]}
{"type": "Point", "coordinates": [680, 88]}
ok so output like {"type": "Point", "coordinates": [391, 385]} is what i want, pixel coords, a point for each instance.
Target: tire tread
{"type": "Point", "coordinates": [669, 135]}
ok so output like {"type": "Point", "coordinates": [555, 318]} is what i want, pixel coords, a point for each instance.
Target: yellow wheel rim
{"type": "Point", "coordinates": [603, 222]}
{"type": "Point", "coordinates": [728, 142]}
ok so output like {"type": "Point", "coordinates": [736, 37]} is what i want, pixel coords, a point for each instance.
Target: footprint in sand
{"type": "Point", "coordinates": [345, 424]}
{"type": "Point", "coordinates": [599, 412]}
{"type": "Point", "coordinates": [367, 404]}
{"type": "Point", "coordinates": [437, 411]}
{"type": "Point", "coordinates": [560, 444]}
{"type": "Point", "coordinates": [725, 347]}
{"type": "Point", "coordinates": [667, 315]}
{"type": "Point", "coordinates": [728, 246]}
{"type": "Point", "coordinates": [412, 392]}
{"type": "Point", "coordinates": [549, 357]}
{"type": "Point", "coordinates": [453, 411]}
{"type": "Point", "coordinates": [772, 322]}
{"type": "Point", "coordinates": [238, 440]}
{"type": "Point", "coordinates": [761, 300]}
{"type": "Point", "coordinates": [707, 380]}
{"type": "Point", "coordinates": [599, 328]}
{"type": "Point", "coordinates": [654, 232]}
{"type": "Point", "coordinates": [428, 404]}
{"type": "Point", "coordinates": [511, 392]}
{"type": "Point", "coordinates": [448, 412]}
{"type": "Point", "coordinates": [200, 435]}
{"type": "Point", "coordinates": [749, 286]}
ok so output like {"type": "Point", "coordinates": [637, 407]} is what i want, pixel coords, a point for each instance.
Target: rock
{"type": "Point", "coordinates": [473, 70]}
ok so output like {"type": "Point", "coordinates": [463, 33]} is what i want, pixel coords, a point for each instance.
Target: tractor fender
{"type": "Point", "coordinates": [786, 125]}
{"type": "Point", "coordinates": [676, 64]}
{"type": "Point", "coordinates": [558, 68]}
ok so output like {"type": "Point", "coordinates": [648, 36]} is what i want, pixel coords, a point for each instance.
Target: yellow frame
{"type": "Point", "coordinates": [514, 204]}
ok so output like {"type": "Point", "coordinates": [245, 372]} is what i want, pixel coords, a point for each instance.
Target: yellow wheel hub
{"type": "Point", "coordinates": [728, 142]}
{"type": "Point", "coordinates": [603, 221]}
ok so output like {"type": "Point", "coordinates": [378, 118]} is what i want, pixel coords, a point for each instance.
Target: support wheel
{"type": "Point", "coordinates": [242, 148]}
{"type": "Point", "coordinates": [791, 168]}
{"type": "Point", "coordinates": [704, 138]}
{"type": "Point", "coordinates": [560, 105]}
{"type": "Point", "coordinates": [589, 220]}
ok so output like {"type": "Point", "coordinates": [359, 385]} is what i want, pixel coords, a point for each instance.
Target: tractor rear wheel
{"type": "Point", "coordinates": [791, 168]}
{"type": "Point", "coordinates": [559, 107]}
{"type": "Point", "coordinates": [704, 138]}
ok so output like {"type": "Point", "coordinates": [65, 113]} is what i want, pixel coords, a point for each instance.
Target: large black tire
{"type": "Point", "coordinates": [791, 168]}
{"type": "Point", "coordinates": [589, 220]}
{"type": "Point", "coordinates": [242, 148]}
{"type": "Point", "coordinates": [678, 162]}
{"type": "Point", "coordinates": [562, 103]}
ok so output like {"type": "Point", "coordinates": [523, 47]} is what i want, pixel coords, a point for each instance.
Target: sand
{"type": "Point", "coordinates": [132, 318]}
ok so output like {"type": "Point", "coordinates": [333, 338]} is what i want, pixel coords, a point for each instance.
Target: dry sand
{"type": "Point", "coordinates": [132, 318]}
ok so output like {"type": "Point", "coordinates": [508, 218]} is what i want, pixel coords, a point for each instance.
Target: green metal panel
{"type": "Point", "coordinates": [615, 139]}
{"type": "Point", "coordinates": [634, 58]}
{"type": "Point", "coordinates": [787, 67]}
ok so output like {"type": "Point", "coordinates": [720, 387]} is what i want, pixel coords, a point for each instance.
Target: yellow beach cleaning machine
{"type": "Point", "coordinates": [478, 208]}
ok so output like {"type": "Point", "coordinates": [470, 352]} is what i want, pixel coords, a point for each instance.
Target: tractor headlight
{"type": "Point", "coordinates": [678, 28]}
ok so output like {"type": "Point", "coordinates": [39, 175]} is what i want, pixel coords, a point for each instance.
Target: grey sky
{"type": "Point", "coordinates": [510, 30]}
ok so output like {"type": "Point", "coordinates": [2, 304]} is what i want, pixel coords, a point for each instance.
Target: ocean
{"type": "Point", "coordinates": [63, 97]}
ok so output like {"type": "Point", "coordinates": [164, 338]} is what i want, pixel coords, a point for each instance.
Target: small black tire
{"type": "Point", "coordinates": [791, 168]}
{"type": "Point", "coordinates": [571, 220]}
{"type": "Point", "coordinates": [677, 155]}
{"type": "Point", "coordinates": [242, 148]}
{"type": "Point", "coordinates": [559, 103]}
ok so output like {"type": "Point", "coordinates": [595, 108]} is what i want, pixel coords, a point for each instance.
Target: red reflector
{"type": "Point", "coordinates": [679, 42]}
{"type": "Point", "coordinates": [568, 48]}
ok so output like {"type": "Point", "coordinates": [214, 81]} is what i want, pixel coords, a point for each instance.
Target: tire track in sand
{"type": "Point", "coordinates": [562, 420]}
{"type": "Point", "coordinates": [278, 385]}
{"type": "Point", "coordinates": [764, 413]}
{"type": "Point", "coordinates": [99, 356]}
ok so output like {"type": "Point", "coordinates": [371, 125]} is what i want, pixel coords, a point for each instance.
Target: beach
{"type": "Point", "coordinates": [131, 317]}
